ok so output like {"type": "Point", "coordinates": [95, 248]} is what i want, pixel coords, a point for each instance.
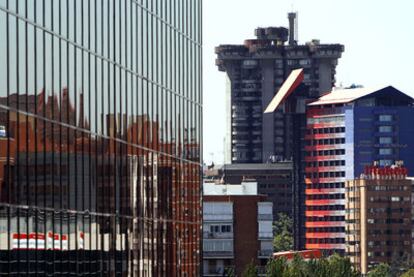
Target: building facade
{"type": "Point", "coordinates": [100, 138]}
{"type": "Point", "coordinates": [237, 228]}
{"type": "Point", "coordinates": [347, 130]}
{"type": "Point", "coordinates": [256, 70]}
{"type": "Point", "coordinates": [273, 180]}
{"type": "Point", "coordinates": [378, 217]}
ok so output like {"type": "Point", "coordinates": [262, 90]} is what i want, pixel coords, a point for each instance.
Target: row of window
{"type": "Point", "coordinates": [385, 254]}
{"type": "Point", "coordinates": [331, 174]}
{"type": "Point", "coordinates": [328, 119]}
{"type": "Point", "coordinates": [326, 185]}
{"type": "Point", "coordinates": [330, 141]}
{"type": "Point", "coordinates": [331, 130]}
{"type": "Point", "coordinates": [326, 208]}
{"type": "Point", "coordinates": [325, 196]}
{"type": "Point", "coordinates": [375, 232]}
{"type": "Point", "coordinates": [325, 229]}
{"type": "Point", "coordinates": [325, 218]}
{"type": "Point", "coordinates": [389, 198]}
{"type": "Point", "coordinates": [331, 152]}
{"type": "Point", "coordinates": [326, 163]}
{"type": "Point", "coordinates": [388, 188]}
{"type": "Point", "coordinates": [387, 220]}
{"type": "Point", "coordinates": [220, 228]}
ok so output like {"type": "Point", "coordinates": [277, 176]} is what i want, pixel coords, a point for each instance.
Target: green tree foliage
{"type": "Point", "coordinates": [250, 270]}
{"type": "Point", "coordinates": [229, 272]}
{"type": "Point", "coordinates": [381, 270]}
{"type": "Point", "coordinates": [409, 273]}
{"type": "Point", "coordinates": [340, 266]}
{"type": "Point", "coordinates": [282, 229]}
{"type": "Point", "coordinates": [276, 267]}
{"type": "Point", "coordinates": [400, 264]}
{"type": "Point", "coordinates": [334, 266]}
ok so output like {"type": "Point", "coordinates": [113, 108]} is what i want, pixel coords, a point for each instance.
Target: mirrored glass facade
{"type": "Point", "coordinates": [100, 137]}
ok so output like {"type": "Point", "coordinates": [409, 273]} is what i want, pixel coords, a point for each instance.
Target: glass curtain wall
{"type": "Point", "coordinates": [100, 137]}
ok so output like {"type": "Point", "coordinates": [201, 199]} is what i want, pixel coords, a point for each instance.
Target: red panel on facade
{"type": "Point", "coordinates": [325, 224]}
{"type": "Point", "coordinates": [325, 213]}
{"type": "Point", "coordinates": [324, 235]}
{"type": "Point", "coordinates": [325, 246]}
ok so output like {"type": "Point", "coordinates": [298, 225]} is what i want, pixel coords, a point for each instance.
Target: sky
{"type": "Point", "coordinates": [378, 36]}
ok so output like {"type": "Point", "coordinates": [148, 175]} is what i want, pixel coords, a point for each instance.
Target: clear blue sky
{"type": "Point", "coordinates": [378, 36]}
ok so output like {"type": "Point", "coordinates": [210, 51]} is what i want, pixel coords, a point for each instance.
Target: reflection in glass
{"type": "Point", "coordinates": [100, 121]}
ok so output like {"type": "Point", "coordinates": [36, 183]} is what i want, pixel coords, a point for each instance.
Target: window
{"type": "Point", "coordinates": [385, 162]}
{"type": "Point", "coordinates": [225, 228]}
{"type": "Point", "coordinates": [385, 151]}
{"type": "Point", "coordinates": [385, 129]}
{"type": "Point", "coordinates": [395, 199]}
{"type": "Point", "coordinates": [385, 140]}
{"type": "Point", "coordinates": [385, 117]}
{"type": "Point", "coordinates": [327, 119]}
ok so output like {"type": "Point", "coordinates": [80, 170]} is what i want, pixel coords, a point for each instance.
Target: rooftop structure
{"type": "Point", "coordinates": [245, 188]}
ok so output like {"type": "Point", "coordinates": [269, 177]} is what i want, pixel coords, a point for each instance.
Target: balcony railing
{"type": "Point", "coordinates": [218, 271]}
{"type": "Point", "coordinates": [211, 235]}
{"type": "Point", "coordinates": [218, 254]}
{"type": "Point", "coordinates": [218, 217]}
{"type": "Point", "coordinates": [265, 235]}
{"type": "Point", "coordinates": [265, 217]}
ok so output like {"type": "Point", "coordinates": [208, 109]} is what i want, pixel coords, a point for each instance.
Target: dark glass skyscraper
{"type": "Point", "coordinates": [100, 137]}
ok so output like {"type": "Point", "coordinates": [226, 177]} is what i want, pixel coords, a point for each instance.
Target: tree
{"type": "Point", "coordinates": [318, 267]}
{"type": "Point", "coordinates": [409, 273]}
{"type": "Point", "coordinates": [400, 263]}
{"type": "Point", "coordinates": [333, 266]}
{"type": "Point", "coordinates": [340, 266]}
{"type": "Point", "coordinates": [250, 270]}
{"type": "Point", "coordinates": [282, 229]}
{"type": "Point", "coordinates": [276, 267]}
{"type": "Point", "coordinates": [297, 268]}
{"type": "Point", "coordinates": [381, 270]}
{"type": "Point", "coordinates": [229, 272]}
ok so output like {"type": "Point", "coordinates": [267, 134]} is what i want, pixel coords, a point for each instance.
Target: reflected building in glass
{"type": "Point", "coordinates": [100, 137]}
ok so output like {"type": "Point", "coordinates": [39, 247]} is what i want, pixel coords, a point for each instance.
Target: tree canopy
{"type": "Point", "coordinates": [282, 229]}
{"type": "Point", "coordinates": [333, 266]}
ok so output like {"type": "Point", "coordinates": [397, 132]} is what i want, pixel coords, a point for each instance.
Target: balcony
{"type": "Point", "coordinates": [218, 248]}
{"type": "Point", "coordinates": [265, 235]}
{"type": "Point", "coordinates": [218, 254]}
{"type": "Point", "coordinates": [212, 235]}
{"type": "Point", "coordinates": [217, 270]}
{"type": "Point", "coordinates": [218, 217]}
{"type": "Point", "coordinates": [265, 216]}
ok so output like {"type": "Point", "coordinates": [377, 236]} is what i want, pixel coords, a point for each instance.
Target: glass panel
{"type": "Point", "coordinates": [100, 138]}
